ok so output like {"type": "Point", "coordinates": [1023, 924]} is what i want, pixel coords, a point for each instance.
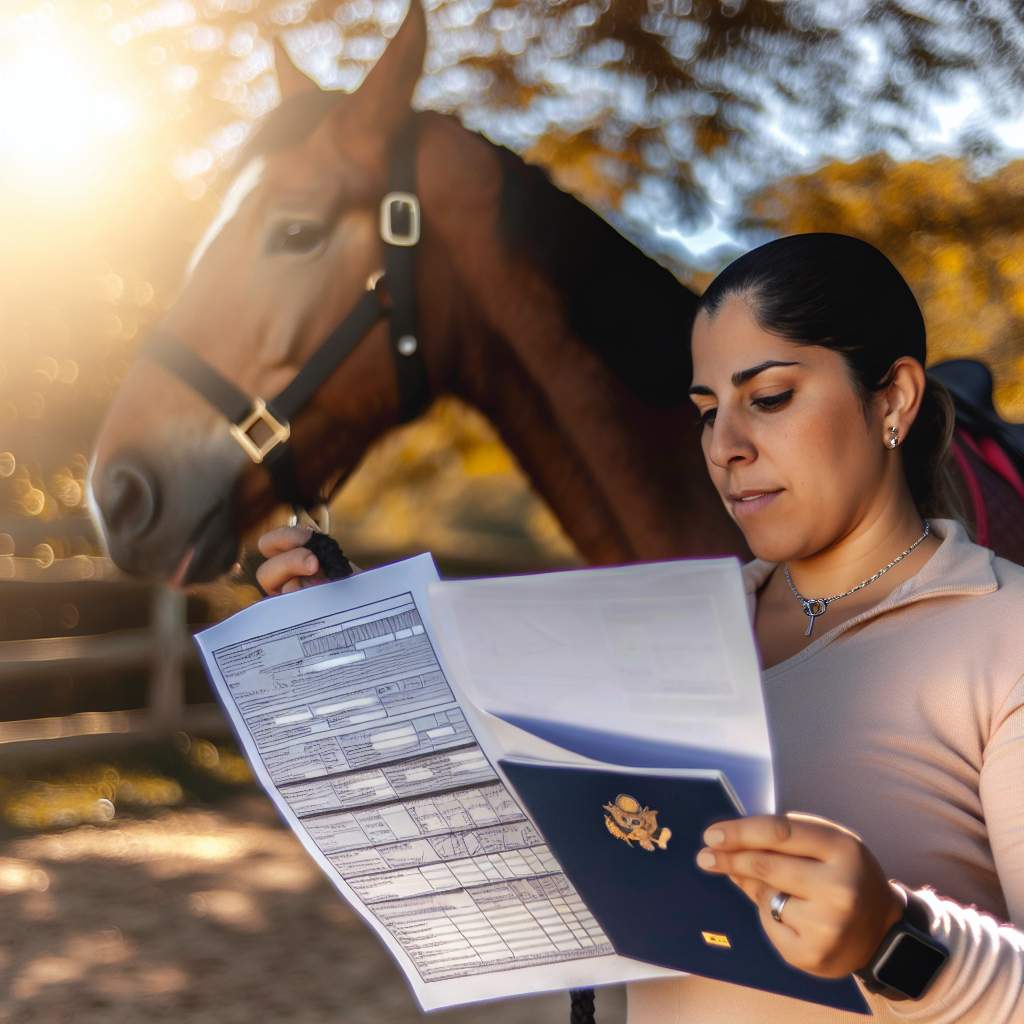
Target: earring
{"type": "Point", "coordinates": [894, 437]}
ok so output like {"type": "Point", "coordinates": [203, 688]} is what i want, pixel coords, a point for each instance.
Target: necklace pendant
{"type": "Point", "coordinates": [813, 607]}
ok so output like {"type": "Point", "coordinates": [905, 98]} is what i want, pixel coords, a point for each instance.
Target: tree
{"type": "Point", "coordinates": [641, 105]}
{"type": "Point", "coordinates": [957, 238]}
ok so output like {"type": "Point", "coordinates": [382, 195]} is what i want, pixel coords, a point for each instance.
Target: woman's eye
{"type": "Point", "coordinates": [773, 401]}
{"type": "Point", "coordinates": [769, 402]}
{"type": "Point", "coordinates": [296, 236]}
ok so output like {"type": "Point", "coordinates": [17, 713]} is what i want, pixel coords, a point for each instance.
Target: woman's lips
{"type": "Point", "coordinates": [750, 504]}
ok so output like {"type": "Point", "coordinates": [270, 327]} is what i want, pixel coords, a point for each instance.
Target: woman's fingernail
{"type": "Point", "coordinates": [706, 859]}
{"type": "Point", "coordinates": [311, 562]}
{"type": "Point", "coordinates": [714, 836]}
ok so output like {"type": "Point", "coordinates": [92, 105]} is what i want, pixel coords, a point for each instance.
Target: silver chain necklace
{"type": "Point", "coordinates": [815, 606]}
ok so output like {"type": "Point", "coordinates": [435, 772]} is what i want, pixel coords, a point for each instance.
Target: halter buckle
{"type": "Point", "coordinates": [390, 207]}
{"type": "Point", "coordinates": [319, 516]}
{"type": "Point", "coordinates": [279, 432]}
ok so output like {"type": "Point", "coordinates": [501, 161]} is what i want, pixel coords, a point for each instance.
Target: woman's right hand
{"type": "Point", "coordinates": [289, 566]}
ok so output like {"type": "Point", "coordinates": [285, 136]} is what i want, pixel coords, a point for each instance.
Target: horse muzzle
{"type": "Point", "coordinates": [145, 538]}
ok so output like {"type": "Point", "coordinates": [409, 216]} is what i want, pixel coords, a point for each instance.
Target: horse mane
{"type": "Point", "coordinates": [623, 305]}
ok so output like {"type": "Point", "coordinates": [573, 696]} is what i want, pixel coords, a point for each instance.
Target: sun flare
{"type": "Point", "coordinates": [59, 110]}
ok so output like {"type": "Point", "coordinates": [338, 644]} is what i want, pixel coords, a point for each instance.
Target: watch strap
{"type": "Point", "coordinates": [916, 921]}
{"type": "Point", "coordinates": [917, 912]}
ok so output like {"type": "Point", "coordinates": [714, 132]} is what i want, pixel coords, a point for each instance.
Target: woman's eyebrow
{"type": "Point", "coordinates": [742, 376]}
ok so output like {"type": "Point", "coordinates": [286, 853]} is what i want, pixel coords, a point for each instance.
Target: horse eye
{"type": "Point", "coordinates": [296, 236]}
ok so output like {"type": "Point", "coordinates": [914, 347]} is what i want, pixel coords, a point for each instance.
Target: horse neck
{"type": "Point", "coordinates": [624, 475]}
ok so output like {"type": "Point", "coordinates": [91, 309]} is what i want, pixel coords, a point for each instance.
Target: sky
{"type": "Point", "coordinates": [938, 138]}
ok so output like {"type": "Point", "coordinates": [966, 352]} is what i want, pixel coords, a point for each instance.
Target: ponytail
{"type": "Point", "coordinates": [926, 458]}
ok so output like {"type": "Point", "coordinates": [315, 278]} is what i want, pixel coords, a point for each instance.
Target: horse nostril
{"type": "Point", "coordinates": [128, 500]}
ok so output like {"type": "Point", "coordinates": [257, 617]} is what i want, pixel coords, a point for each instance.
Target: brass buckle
{"type": "Point", "coordinates": [387, 232]}
{"type": "Point", "coordinates": [279, 432]}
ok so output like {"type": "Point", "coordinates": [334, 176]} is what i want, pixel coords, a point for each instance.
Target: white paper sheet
{"type": "Point", "coordinates": [342, 708]}
{"type": "Point", "coordinates": [643, 665]}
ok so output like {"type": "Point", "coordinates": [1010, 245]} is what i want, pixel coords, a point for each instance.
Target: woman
{"type": "Point", "coordinates": [892, 652]}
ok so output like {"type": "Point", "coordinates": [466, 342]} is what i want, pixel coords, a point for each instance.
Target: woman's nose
{"type": "Point", "coordinates": [729, 440]}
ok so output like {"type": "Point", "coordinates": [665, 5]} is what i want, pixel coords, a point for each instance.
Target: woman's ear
{"type": "Point", "coordinates": [901, 398]}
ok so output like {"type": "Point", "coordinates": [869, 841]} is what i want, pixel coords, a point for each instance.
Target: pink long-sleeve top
{"type": "Point", "coordinates": [906, 724]}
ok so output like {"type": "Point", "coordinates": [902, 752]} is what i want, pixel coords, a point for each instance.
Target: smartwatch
{"type": "Point", "coordinates": [908, 958]}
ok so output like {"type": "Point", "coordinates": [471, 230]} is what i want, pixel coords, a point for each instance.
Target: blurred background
{"type": "Point", "coordinates": [141, 870]}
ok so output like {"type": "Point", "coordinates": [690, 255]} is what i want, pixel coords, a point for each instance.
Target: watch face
{"type": "Point", "coordinates": [909, 965]}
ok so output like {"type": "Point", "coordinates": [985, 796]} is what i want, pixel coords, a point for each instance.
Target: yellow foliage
{"type": "Point", "coordinates": [958, 239]}
{"type": "Point", "coordinates": [950, 259]}
{"type": "Point", "coordinates": [447, 484]}
{"type": "Point", "coordinates": [488, 460]}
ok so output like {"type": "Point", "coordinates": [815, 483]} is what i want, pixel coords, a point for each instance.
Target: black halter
{"type": "Point", "coordinates": [263, 426]}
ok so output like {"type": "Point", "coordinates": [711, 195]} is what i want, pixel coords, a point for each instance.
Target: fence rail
{"type": "Point", "coordinates": [163, 650]}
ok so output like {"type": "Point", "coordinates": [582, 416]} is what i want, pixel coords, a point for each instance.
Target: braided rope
{"type": "Point", "coordinates": [333, 563]}
{"type": "Point", "coordinates": [581, 1006]}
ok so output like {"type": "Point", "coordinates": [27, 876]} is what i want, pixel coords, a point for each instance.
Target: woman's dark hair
{"type": "Point", "coordinates": [841, 293]}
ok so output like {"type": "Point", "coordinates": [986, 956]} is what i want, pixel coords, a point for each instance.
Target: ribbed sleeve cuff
{"type": "Point", "coordinates": [982, 982]}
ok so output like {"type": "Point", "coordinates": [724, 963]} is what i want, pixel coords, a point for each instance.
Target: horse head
{"type": "Point", "coordinates": [280, 351]}
{"type": "Point", "coordinates": [291, 254]}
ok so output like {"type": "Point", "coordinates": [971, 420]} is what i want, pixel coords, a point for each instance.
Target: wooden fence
{"type": "Point", "coordinates": [160, 652]}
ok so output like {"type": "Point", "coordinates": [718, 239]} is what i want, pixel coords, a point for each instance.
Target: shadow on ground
{"type": "Point", "coordinates": [208, 911]}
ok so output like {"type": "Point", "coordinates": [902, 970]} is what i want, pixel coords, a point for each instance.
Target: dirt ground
{"type": "Point", "coordinates": [202, 914]}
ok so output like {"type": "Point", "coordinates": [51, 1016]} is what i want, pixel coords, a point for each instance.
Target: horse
{"type": "Point", "coordinates": [367, 259]}
{"type": "Point", "coordinates": [528, 306]}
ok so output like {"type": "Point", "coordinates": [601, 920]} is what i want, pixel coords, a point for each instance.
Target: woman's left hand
{"type": "Point", "coordinates": [841, 903]}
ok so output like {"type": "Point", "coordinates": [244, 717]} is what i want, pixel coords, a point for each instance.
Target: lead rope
{"type": "Point", "coordinates": [581, 1009]}
{"type": "Point", "coordinates": [333, 562]}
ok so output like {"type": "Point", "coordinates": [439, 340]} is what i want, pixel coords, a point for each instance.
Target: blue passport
{"type": "Point", "coordinates": [628, 841]}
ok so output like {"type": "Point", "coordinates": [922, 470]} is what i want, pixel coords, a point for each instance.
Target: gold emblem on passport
{"type": "Point", "coordinates": [628, 821]}
{"type": "Point", "coordinates": [717, 939]}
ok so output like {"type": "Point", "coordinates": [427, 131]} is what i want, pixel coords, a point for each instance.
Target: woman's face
{"type": "Point", "coordinates": [784, 434]}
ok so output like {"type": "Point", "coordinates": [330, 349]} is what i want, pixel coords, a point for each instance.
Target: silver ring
{"type": "Point", "coordinates": [778, 901]}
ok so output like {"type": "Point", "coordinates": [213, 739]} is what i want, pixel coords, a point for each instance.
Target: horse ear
{"type": "Point", "coordinates": [384, 98]}
{"type": "Point", "coordinates": [290, 80]}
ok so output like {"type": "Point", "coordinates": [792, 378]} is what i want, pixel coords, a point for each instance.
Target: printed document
{"type": "Point", "coordinates": [650, 666]}
{"type": "Point", "coordinates": [349, 719]}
